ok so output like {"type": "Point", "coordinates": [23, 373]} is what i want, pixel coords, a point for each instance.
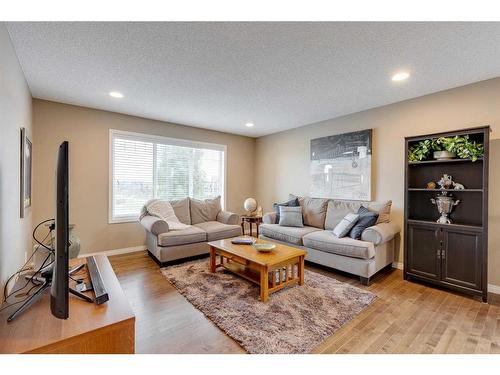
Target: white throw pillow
{"type": "Point", "coordinates": [345, 225]}
{"type": "Point", "coordinates": [164, 211]}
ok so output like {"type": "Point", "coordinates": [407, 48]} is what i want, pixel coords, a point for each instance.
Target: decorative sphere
{"type": "Point", "coordinates": [250, 204]}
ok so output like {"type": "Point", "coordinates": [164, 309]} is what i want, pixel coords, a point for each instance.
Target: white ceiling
{"type": "Point", "coordinates": [279, 75]}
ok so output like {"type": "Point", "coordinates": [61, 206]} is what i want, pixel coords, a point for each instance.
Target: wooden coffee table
{"type": "Point", "coordinates": [272, 271]}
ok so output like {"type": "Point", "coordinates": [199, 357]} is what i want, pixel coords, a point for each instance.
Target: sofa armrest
{"type": "Point", "coordinates": [154, 224]}
{"type": "Point", "coordinates": [226, 217]}
{"type": "Point", "coordinates": [380, 233]}
{"type": "Point", "coordinates": [269, 218]}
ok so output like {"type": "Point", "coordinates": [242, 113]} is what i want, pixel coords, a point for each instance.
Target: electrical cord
{"type": "Point", "coordinates": [28, 295]}
{"type": "Point", "coordinates": [6, 296]}
{"type": "Point", "coordinates": [34, 232]}
{"type": "Point", "coordinates": [31, 278]}
{"type": "Point", "coordinates": [22, 269]}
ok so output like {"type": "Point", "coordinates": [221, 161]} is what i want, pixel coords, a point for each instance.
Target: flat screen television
{"type": "Point", "coordinates": [59, 290]}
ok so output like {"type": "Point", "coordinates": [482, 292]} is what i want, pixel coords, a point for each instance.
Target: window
{"type": "Point", "coordinates": [143, 167]}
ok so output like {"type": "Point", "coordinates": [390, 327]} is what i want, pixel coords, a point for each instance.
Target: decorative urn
{"type": "Point", "coordinates": [444, 204]}
{"type": "Point", "coordinates": [74, 242]}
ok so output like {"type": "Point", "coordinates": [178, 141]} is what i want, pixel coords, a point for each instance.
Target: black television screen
{"type": "Point", "coordinates": [59, 292]}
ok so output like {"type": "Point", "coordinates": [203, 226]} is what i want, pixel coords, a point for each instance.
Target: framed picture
{"type": "Point", "coordinates": [341, 166]}
{"type": "Point", "coordinates": [25, 172]}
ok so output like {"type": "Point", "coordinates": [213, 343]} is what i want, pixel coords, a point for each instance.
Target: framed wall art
{"type": "Point", "coordinates": [341, 166]}
{"type": "Point", "coordinates": [25, 172]}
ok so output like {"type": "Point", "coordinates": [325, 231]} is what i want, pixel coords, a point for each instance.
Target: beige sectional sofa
{"type": "Point", "coordinates": [208, 222]}
{"type": "Point", "coordinates": [363, 257]}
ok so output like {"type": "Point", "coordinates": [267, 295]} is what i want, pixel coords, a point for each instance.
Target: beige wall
{"type": "Point", "coordinates": [87, 130]}
{"type": "Point", "coordinates": [282, 160]}
{"type": "Point", "coordinates": [15, 113]}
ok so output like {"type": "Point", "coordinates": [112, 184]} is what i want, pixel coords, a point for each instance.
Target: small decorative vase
{"type": "Point", "coordinates": [74, 242]}
{"type": "Point", "coordinates": [446, 182]}
{"type": "Point", "coordinates": [431, 185]}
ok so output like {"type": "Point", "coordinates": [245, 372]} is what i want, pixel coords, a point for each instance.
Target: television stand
{"type": "Point", "coordinates": [45, 282]}
{"type": "Point", "coordinates": [90, 328]}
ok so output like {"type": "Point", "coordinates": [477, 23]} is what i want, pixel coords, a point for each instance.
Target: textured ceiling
{"type": "Point", "coordinates": [278, 75]}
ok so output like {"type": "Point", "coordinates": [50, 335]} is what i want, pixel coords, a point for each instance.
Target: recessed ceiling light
{"type": "Point", "coordinates": [401, 76]}
{"type": "Point", "coordinates": [249, 124]}
{"type": "Point", "coordinates": [116, 94]}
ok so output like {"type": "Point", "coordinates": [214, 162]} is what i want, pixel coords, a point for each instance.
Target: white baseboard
{"type": "Point", "coordinates": [494, 289]}
{"type": "Point", "coordinates": [397, 265]}
{"type": "Point", "coordinates": [108, 253]}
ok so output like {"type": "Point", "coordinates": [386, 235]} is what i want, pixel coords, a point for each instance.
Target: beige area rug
{"type": "Point", "coordinates": [294, 320]}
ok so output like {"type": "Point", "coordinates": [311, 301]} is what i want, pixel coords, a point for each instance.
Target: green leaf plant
{"type": "Point", "coordinates": [462, 146]}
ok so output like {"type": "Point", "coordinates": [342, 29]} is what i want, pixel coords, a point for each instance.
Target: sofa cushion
{"type": "Point", "coordinates": [313, 210]}
{"type": "Point", "coordinates": [326, 241]}
{"type": "Point", "coordinates": [181, 209]}
{"type": "Point", "coordinates": [204, 210]}
{"type": "Point", "coordinates": [291, 217]}
{"type": "Point", "coordinates": [337, 209]}
{"type": "Point", "coordinates": [182, 237]}
{"type": "Point", "coordinates": [217, 231]}
{"type": "Point", "coordinates": [291, 235]}
{"type": "Point", "coordinates": [383, 209]}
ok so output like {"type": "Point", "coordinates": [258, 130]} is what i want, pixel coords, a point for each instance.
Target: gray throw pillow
{"type": "Point", "coordinates": [291, 216]}
{"type": "Point", "coordinates": [294, 202]}
{"type": "Point", "coordinates": [345, 225]}
{"type": "Point", "coordinates": [366, 219]}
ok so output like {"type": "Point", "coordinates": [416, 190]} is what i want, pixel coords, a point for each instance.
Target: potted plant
{"type": "Point", "coordinates": [446, 148]}
{"type": "Point", "coordinates": [443, 148]}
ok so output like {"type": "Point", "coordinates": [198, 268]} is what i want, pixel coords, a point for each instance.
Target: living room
{"type": "Point", "coordinates": [217, 187]}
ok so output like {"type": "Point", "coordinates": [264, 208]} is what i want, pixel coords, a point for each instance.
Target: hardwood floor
{"type": "Point", "coordinates": [405, 318]}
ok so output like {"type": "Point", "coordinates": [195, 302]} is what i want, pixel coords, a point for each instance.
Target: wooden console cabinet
{"type": "Point", "coordinates": [449, 255]}
{"type": "Point", "coordinates": [90, 328]}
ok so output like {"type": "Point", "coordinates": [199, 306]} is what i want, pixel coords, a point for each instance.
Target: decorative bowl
{"type": "Point", "coordinates": [264, 247]}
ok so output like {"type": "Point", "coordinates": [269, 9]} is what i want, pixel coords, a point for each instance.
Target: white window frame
{"type": "Point", "coordinates": [157, 139]}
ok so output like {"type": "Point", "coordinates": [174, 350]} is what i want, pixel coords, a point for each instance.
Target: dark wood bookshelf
{"type": "Point", "coordinates": [437, 191]}
{"type": "Point", "coordinates": [452, 255]}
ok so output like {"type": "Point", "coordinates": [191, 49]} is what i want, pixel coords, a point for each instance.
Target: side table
{"type": "Point", "coordinates": [251, 220]}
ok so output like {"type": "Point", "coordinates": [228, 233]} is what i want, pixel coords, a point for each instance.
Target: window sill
{"type": "Point", "coordinates": [123, 220]}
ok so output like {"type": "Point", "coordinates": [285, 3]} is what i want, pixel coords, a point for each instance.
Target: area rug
{"type": "Point", "coordinates": [294, 320]}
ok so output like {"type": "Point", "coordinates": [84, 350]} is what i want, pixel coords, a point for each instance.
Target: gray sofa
{"type": "Point", "coordinates": [208, 222]}
{"type": "Point", "coordinates": [363, 257]}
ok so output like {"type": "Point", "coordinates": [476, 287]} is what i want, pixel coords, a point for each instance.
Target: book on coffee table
{"type": "Point", "coordinates": [243, 240]}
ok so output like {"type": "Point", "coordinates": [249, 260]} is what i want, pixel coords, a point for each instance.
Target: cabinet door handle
{"type": "Point", "coordinates": [438, 253]}
{"type": "Point", "coordinates": [443, 256]}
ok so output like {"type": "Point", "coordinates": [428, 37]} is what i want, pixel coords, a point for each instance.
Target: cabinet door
{"type": "Point", "coordinates": [462, 258]}
{"type": "Point", "coordinates": [423, 250]}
